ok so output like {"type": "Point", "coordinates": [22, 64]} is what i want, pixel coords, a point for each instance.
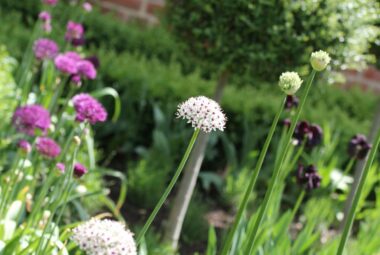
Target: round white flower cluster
{"type": "Point", "coordinates": [104, 237]}
{"type": "Point", "coordinates": [319, 60]}
{"type": "Point", "coordinates": [290, 82]}
{"type": "Point", "coordinates": [203, 113]}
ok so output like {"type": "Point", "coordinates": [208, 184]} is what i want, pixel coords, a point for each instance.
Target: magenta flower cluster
{"type": "Point", "coordinates": [45, 49]}
{"type": "Point", "coordinates": [28, 118]}
{"type": "Point", "coordinates": [24, 146]}
{"type": "Point", "coordinates": [74, 33]}
{"type": "Point", "coordinates": [88, 109]}
{"type": "Point", "coordinates": [79, 169]}
{"type": "Point", "coordinates": [72, 64]}
{"type": "Point", "coordinates": [47, 147]}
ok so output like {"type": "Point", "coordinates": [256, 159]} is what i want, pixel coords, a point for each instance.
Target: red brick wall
{"type": "Point", "coordinates": [369, 79]}
{"type": "Point", "coordinates": [144, 10]}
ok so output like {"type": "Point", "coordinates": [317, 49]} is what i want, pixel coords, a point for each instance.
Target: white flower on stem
{"type": "Point", "coordinates": [290, 82]}
{"type": "Point", "coordinates": [104, 237]}
{"type": "Point", "coordinates": [319, 60]}
{"type": "Point", "coordinates": [203, 113]}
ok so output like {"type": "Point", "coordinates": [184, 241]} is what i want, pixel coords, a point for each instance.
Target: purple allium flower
{"type": "Point", "coordinates": [311, 132]}
{"type": "Point", "coordinates": [94, 60]}
{"type": "Point", "coordinates": [50, 2]}
{"type": "Point", "coordinates": [24, 145]}
{"type": "Point", "coordinates": [73, 55]}
{"type": "Point", "coordinates": [308, 177]}
{"type": "Point", "coordinates": [66, 64]}
{"type": "Point", "coordinates": [87, 6]}
{"type": "Point", "coordinates": [78, 42]}
{"type": "Point", "coordinates": [79, 170]}
{"type": "Point", "coordinates": [45, 49]}
{"type": "Point", "coordinates": [48, 147]}
{"type": "Point", "coordinates": [60, 166]}
{"type": "Point", "coordinates": [86, 69]}
{"type": "Point", "coordinates": [73, 31]}
{"type": "Point", "coordinates": [44, 16]}
{"type": "Point", "coordinates": [291, 102]}
{"type": "Point", "coordinates": [28, 118]}
{"type": "Point", "coordinates": [359, 147]}
{"type": "Point", "coordinates": [88, 109]}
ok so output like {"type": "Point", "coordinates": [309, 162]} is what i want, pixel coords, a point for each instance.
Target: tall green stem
{"type": "Point", "coordinates": [252, 237]}
{"type": "Point", "coordinates": [252, 182]}
{"type": "Point", "coordinates": [170, 186]}
{"type": "Point", "coordinates": [358, 191]}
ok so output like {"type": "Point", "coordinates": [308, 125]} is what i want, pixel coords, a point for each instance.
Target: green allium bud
{"type": "Point", "coordinates": [290, 82]}
{"type": "Point", "coordinates": [319, 60]}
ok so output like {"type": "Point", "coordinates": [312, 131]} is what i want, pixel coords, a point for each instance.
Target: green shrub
{"type": "Point", "coordinates": [264, 38]}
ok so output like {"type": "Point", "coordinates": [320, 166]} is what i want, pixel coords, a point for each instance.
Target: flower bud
{"type": "Point", "coordinates": [77, 140]}
{"type": "Point", "coordinates": [290, 82]}
{"type": "Point", "coordinates": [319, 60]}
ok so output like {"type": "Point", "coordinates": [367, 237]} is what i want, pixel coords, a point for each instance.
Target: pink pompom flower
{"type": "Point", "coordinates": [74, 31]}
{"type": "Point", "coordinates": [24, 146]}
{"type": "Point", "coordinates": [79, 170]}
{"type": "Point", "coordinates": [45, 49]}
{"type": "Point", "coordinates": [48, 147]}
{"type": "Point", "coordinates": [44, 16]}
{"type": "Point", "coordinates": [87, 6]}
{"type": "Point", "coordinates": [27, 119]}
{"type": "Point", "coordinates": [88, 109]}
{"type": "Point", "coordinates": [66, 64]}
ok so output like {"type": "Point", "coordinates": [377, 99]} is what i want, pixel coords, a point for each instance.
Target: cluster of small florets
{"type": "Point", "coordinates": [203, 113]}
{"type": "Point", "coordinates": [290, 82]}
{"type": "Point", "coordinates": [88, 109]}
{"type": "Point", "coordinates": [45, 18]}
{"type": "Point", "coordinates": [309, 133]}
{"type": "Point", "coordinates": [27, 119]}
{"type": "Point", "coordinates": [48, 147]}
{"type": "Point", "coordinates": [319, 60]}
{"type": "Point", "coordinates": [104, 237]}
{"type": "Point", "coordinates": [75, 33]}
{"type": "Point", "coordinates": [72, 64]}
{"type": "Point", "coordinates": [359, 147]}
{"type": "Point", "coordinates": [308, 177]}
{"type": "Point", "coordinates": [45, 49]}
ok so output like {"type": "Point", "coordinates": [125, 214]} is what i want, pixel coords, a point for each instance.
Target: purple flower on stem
{"type": "Point", "coordinates": [73, 31]}
{"type": "Point", "coordinates": [47, 147]}
{"type": "Point", "coordinates": [79, 170]}
{"type": "Point", "coordinates": [50, 2]}
{"type": "Point", "coordinates": [311, 132]}
{"type": "Point", "coordinates": [291, 102]}
{"type": "Point", "coordinates": [86, 69]}
{"type": "Point", "coordinates": [358, 147]}
{"type": "Point", "coordinates": [45, 49]}
{"type": "Point", "coordinates": [60, 166]}
{"type": "Point", "coordinates": [87, 6]}
{"type": "Point", "coordinates": [44, 16]}
{"type": "Point", "coordinates": [28, 118]}
{"type": "Point", "coordinates": [24, 145]}
{"type": "Point", "coordinates": [308, 177]}
{"type": "Point", "coordinates": [66, 64]}
{"type": "Point", "coordinates": [88, 109]}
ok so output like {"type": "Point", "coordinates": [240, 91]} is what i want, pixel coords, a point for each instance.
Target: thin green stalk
{"type": "Point", "coordinates": [358, 192]}
{"type": "Point", "coordinates": [170, 186]}
{"type": "Point", "coordinates": [58, 92]}
{"type": "Point", "coordinates": [298, 204]}
{"type": "Point", "coordinates": [252, 182]}
{"type": "Point", "coordinates": [277, 170]}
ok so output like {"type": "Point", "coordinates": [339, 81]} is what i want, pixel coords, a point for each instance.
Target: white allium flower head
{"type": "Point", "coordinates": [290, 82]}
{"type": "Point", "coordinates": [104, 237]}
{"type": "Point", "coordinates": [203, 113]}
{"type": "Point", "coordinates": [319, 60]}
